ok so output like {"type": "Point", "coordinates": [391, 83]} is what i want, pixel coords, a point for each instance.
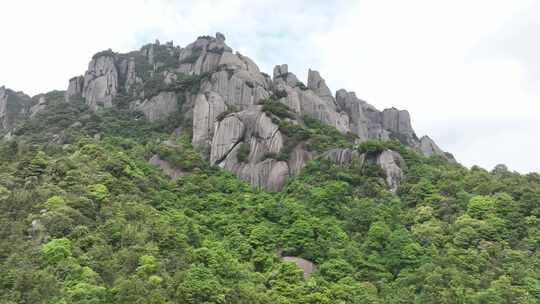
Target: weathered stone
{"type": "Point", "coordinates": [207, 108]}
{"type": "Point", "coordinates": [399, 124]}
{"type": "Point", "coordinates": [391, 163]}
{"type": "Point", "coordinates": [14, 107]}
{"type": "Point", "coordinates": [220, 37]}
{"type": "Point", "coordinates": [428, 147]}
{"type": "Point", "coordinates": [228, 133]}
{"type": "Point", "coordinates": [358, 122]}
{"type": "Point", "coordinates": [40, 106]}
{"type": "Point", "coordinates": [75, 88]}
{"type": "Point", "coordinates": [269, 174]}
{"type": "Point", "coordinates": [171, 171]}
{"type": "Point", "coordinates": [317, 84]}
{"type": "Point", "coordinates": [100, 82]}
{"type": "Point", "coordinates": [231, 61]}
{"type": "Point", "coordinates": [281, 74]}
{"type": "Point", "coordinates": [323, 110]}
{"type": "Point", "coordinates": [132, 79]}
{"type": "Point", "coordinates": [266, 139]}
{"type": "Point", "coordinates": [239, 89]}
{"type": "Point", "coordinates": [298, 159]}
{"type": "Point", "coordinates": [158, 106]}
{"type": "Point", "coordinates": [307, 266]}
{"type": "Point", "coordinates": [3, 108]}
{"type": "Point", "coordinates": [344, 157]}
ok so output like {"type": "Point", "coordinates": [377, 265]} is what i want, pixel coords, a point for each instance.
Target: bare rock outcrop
{"type": "Point", "coordinates": [171, 171]}
{"type": "Point", "coordinates": [228, 133]}
{"type": "Point", "coordinates": [392, 165]}
{"type": "Point", "coordinates": [158, 106]}
{"type": "Point", "coordinates": [428, 147]}
{"type": "Point", "coordinates": [3, 108]}
{"type": "Point", "coordinates": [318, 85]}
{"type": "Point", "coordinates": [223, 95]}
{"type": "Point", "coordinates": [307, 266]}
{"type": "Point", "coordinates": [344, 157]}
{"type": "Point", "coordinates": [75, 88]}
{"type": "Point", "coordinates": [298, 159]}
{"type": "Point", "coordinates": [208, 107]}
{"type": "Point", "coordinates": [14, 108]}
{"type": "Point", "coordinates": [354, 107]}
{"type": "Point", "coordinates": [40, 106]}
{"type": "Point", "coordinates": [100, 81]}
{"type": "Point", "coordinates": [398, 122]}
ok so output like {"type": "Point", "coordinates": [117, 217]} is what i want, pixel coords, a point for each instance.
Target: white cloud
{"type": "Point", "coordinates": [444, 61]}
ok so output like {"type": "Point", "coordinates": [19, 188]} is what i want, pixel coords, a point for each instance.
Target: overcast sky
{"type": "Point", "coordinates": [468, 71]}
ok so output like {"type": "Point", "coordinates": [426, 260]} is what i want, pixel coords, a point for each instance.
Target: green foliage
{"type": "Point", "coordinates": [89, 220]}
{"type": "Point", "coordinates": [243, 152]}
{"type": "Point", "coordinates": [375, 147]}
{"type": "Point", "coordinates": [56, 250]}
{"type": "Point", "coordinates": [271, 107]}
{"type": "Point", "coordinates": [181, 154]}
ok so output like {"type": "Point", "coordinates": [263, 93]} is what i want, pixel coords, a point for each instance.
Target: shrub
{"type": "Point", "coordinates": [372, 147]}
{"type": "Point", "coordinates": [243, 152]}
{"type": "Point", "coordinates": [56, 250]}
{"type": "Point", "coordinates": [276, 108]}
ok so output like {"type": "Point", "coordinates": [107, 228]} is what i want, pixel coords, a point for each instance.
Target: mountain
{"type": "Point", "coordinates": [186, 175]}
{"type": "Point", "coordinates": [230, 106]}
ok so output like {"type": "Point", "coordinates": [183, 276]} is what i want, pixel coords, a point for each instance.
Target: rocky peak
{"type": "Point", "coordinates": [100, 83]}
{"type": "Point", "coordinates": [14, 108]}
{"type": "Point", "coordinates": [428, 147]}
{"type": "Point", "coordinates": [225, 108]}
{"type": "Point", "coordinates": [318, 85]}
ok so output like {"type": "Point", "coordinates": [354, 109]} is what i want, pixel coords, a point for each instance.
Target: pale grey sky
{"type": "Point", "coordinates": [468, 71]}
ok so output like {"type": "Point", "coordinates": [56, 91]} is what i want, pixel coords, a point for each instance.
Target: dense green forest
{"type": "Point", "coordinates": [91, 221]}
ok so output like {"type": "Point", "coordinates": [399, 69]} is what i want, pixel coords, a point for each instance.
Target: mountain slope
{"type": "Point", "coordinates": [226, 103]}
{"type": "Point", "coordinates": [114, 192]}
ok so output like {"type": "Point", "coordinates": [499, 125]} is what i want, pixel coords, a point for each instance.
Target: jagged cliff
{"type": "Point", "coordinates": [240, 116]}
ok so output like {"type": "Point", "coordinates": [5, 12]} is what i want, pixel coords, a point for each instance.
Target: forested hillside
{"type": "Point", "coordinates": [91, 221]}
{"type": "Point", "coordinates": [185, 175]}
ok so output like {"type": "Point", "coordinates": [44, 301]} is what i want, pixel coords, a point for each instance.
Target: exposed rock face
{"type": "Point", "coordinates": [158, 106]}
{"type": "Point", "coordinates": [228, 133]}
{"type": "Point", "coordinates": [131, 76]}
{"type": "Point", "coordinates": [428, 147]}
{"type": "Point", "coordinates": [168, 169]}
{"type": "Point", "coordinates": [316, 104]}
{"type": "Point", "coordinates": [307, 266]}
{"type": "Point", "coordinates": [14, 107]}
{"type": "Point", "coordinates": [298, 159]}
{"type": "Point", "coordinates": [3, 108]}
{"type": "Point", "coordinates": [354, 107]}
{"type": "Point", "coordinates": [226, 112]}
{"type": "Point", "coordinates": [205, 112]}
{"type": "Point", "coordinates": [262, 137]}
{"type": "Point", "coordinates": [75, 88]}
{"type": "Point", "coordinates": [344, 157]}
{"type": "Point", "coordinates": [318, 85]}
{"type": "Point", "coordinates": [100, 82]}
{"type": "Point", "coordinates": [399, 124]}
{"type": "Point", "coordinates": [40, 106]}
{"type": "Point", "coordinates": [391, 163]}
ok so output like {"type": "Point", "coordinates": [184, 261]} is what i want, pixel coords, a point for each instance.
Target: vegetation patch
{"type": "Point", "coordinates": [243, 152]}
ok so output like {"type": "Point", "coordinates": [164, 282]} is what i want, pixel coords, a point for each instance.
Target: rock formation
{"type": "Point", "coordinates": [157, 107]}
{"type": "Point", "coordinates": [392, 165]}
{"type": "Point", "coordinates": [221, 93]}
{"type": "Point", "coordinates": [171, 171]}
{"type": "Point", "coordinates": [307, 267]}
{"type": "Point", "coordinates": [14, 108]}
